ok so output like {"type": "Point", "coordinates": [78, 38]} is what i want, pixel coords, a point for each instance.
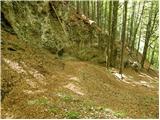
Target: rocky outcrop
{"type": "Point", "coordinates": [54, 26]}
{"type": "Point", "coordinates": [34, 22]}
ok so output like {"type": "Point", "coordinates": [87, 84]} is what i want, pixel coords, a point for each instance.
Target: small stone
{"type": "Point", "coordinates": [107, 110]}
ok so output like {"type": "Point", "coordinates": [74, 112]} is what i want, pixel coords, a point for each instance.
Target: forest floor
{"type": "Point", "coordinates": [38, 85]}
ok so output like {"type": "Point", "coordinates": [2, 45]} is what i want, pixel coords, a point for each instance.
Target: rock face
{"type": "Point", "coordinates": [35, 22]}
{"type": "Point", "coordinates": [54, 25]}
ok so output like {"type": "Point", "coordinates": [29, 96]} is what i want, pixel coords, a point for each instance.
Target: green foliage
{"type": "Point", "coordinates": [53, 109]}
{"type": "Point", "coordinates": [41, 101]}
{"type": "Point", "coordinates": [72, 115]}
{"type": "Point", "coordinates": [67, 98]}
{"type": "Point", "coordinates": [120, 114]}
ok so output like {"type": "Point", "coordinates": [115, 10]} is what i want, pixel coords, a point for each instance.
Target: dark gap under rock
{"type": "Point", "coordinates": [6, 25]}
{"type": "Point", "coordinates": [11, 49]}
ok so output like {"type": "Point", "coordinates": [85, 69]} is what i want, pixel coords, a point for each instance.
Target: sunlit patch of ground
{"type": "Point", "coordinates": [74, 88]}
{"type": "Point", "coordinates": [142, 79]}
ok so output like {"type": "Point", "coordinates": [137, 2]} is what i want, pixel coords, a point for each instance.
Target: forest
{"type": "Point", "coordinates": [79, 59]}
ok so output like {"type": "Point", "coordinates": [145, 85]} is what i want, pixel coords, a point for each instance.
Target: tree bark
{"type": "Point", "coordinates": [123, 35]}
{"type": "Point", "coordinates": [84, 7]}
{"type": "Point", "coordinates": [150, 27]}
{"type": "Point", "coordinates": [93, 10]}
{"type": "Point", "coordinates": [88, 9]}
{"type": "Point", "coordinates": [136, 28]}
{"type": "Point", "coordinates": [105, 22]}
{"type": "Point", "coordinates": [110, 31]}
{"type": "Point", "coordinates": [98, 13]}
{"type": "Point", "coordinates": [78, 7]}
{"type": "Point", "coordinates": [152, 56]}
{"type": "Point", "coordinates": [114, 30]}
{"type": "Point", "coordinates": [132, 21]}
{"type": "Point", "coordinates": [139, 40]}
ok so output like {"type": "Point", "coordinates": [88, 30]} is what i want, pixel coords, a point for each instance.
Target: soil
{"type": "Point", "coordinates": [38, 84]}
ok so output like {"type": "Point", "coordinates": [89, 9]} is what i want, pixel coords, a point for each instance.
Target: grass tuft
{"type": "Point", "coordinates": [67, 98]}
{"type": "Point", "coordinates": [41, 101]}
{"type": "Point", "coordinates": [72, 115]}
{"type": "Point", "coordinates": [120, 114]}
{"type": "Point", "coordinates": [53, 109]}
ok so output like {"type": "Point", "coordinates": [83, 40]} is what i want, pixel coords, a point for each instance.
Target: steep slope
{"type": "Point", "coordinates": [38, 84]}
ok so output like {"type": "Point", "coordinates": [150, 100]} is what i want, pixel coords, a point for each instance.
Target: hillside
{"type": "Point", "coordinates": [53, 66]}
{"type": "Point", "coordinates": [35, 84]}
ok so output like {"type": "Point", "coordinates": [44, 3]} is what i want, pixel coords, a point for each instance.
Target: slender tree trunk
{"type": "Point", "coordinates": [84, 7]}
{"type": "Point", "coordinates": [99, 21]}
{"type": "Point", "coordinates": [128, 32]}
{"type": "Point", "coordinates": [114, 30]}
{"type": "Point", "coordinates": [105, 22]}
{"type": "Point", "coordinates": [136, 28]}
{"type": "Point", "coordinates": [123, 35]}
{"type": "Point", "coordinates": [139, 40]}
{"type": "Point", "coordinates": [132, 21]}
{"type": "Point", "coordinates": [152, 56]}
{"type": "Point", "coordinates": [95, 14]}
{"type": "Point", "coordinates": [78, 7]}
{"type": "Point", "coordinates": [109, 30]}
{"type": "Point", "coordinates": [88, 9]}
{"type": "Point", "coordinates": [110, 18]}
{"type": "Point", "coordinates": [92, 4]}
{"type": "Point", "coordinates": [93, 11]}
{"type": "Point", "coordinates": [98, 13]}
{"type": "Point", "coordinates": [150, 27]}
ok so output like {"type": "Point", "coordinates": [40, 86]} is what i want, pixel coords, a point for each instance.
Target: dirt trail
{"type": "Point", "coordinates": [35, 84]}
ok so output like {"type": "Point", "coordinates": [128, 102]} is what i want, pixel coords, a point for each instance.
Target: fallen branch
{"type": "Point", "coordinates": [58, 18]}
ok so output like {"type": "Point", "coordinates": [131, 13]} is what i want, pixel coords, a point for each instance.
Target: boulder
{"type": "Point", "coordinates": [136, 66]}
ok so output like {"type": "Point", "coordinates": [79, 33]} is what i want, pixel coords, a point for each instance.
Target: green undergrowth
{"type": "Point", "coordinates": [72, 115]}
{"type": "Point", "coordinates": [67, 98]}
{"type": "Point", "coordinates": [40, 101]}
{"type": "Point", "coordinates": [120, 114]}
{"type": "Point", "coordinates": [53, 109]}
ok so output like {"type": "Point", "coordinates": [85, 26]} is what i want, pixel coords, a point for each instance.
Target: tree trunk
{"type": "Point", "coordinates": [78, 7]}
{"type": "Point", "coordinates": [84, 7]}
{"type": "Point", "coordinates": [132, 19]}
{"type": "Point", "coordinates": [136, 28]}
{"type": "Point", "coordinates": [123, 35]}
{"type": "Point", "coordinates": [109, 30]}
{"type": "Point", "coordinates": [152, 56]}
{"type": "Point", "coordinates": [128, 32]}
{"type": "Point", "coordinates": [105, 22]}
{"type": "Point", "coordinates": [139, 40]}
{"type": "Point", "coordinates": [114, 30]}
{"type": "Point", "coordinates": [88, 9]}
{"type": "Point", "coordinates": [148, 34]}
{"type": "Point", "coordinates": [98, 13]}
{"type": "Point", "coordinates": [93, 10]}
